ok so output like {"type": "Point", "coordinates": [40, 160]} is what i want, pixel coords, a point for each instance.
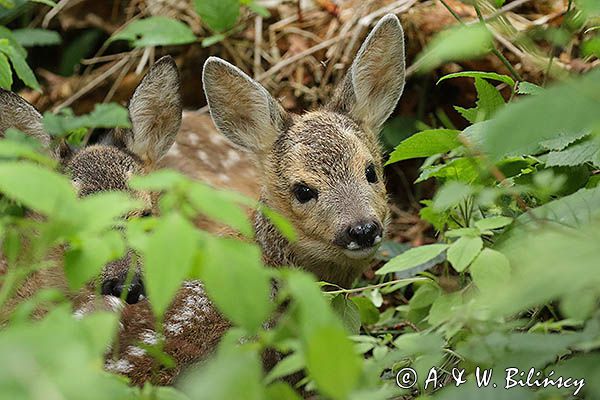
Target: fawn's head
{"type": "Point", "coordinates": [155, 114]}
{"type": "Point", "coordinates": [322, 170]}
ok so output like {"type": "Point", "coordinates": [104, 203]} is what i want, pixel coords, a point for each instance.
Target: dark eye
{"type": "Point", "coordinates": [371, 174]}
{"type": "Point", "coordinates": [303, 193]}
{"type": "Point", "coordinates": [146, 213]}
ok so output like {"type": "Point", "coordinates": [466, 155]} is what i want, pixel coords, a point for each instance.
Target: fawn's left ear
{"type": "Point", "coordinates": [375, 81]}
{"type": "Point", "coordinates": [15, 112]}
{"type": "Point", "coordinates": [155, 111]}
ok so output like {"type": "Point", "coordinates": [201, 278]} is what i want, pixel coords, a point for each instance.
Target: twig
{"type": "Point", "coordinates": [100, 78]}
{"type": "Point", "coordinates": [258, 27]}
{"type": "Point", "coordinates": [284, 63]}
{"type": "Point", "coordinates": [389, 283]}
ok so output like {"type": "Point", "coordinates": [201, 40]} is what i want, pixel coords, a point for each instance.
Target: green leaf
{"type": "Point", "coordinates": [425, 295]}
{"type": "Point", "coordinates": [412, 258]}
{"type": "Point", "coordinates": [577, 154]}
{"type": "Point", "coordinates": [45, 2]}
{"type": "Point", "coordinates": [459, 169]}
{"type": "Point", "coordinates": [218, 15]}
{"type": "Point", "coordinates": [20, 65]}
{"type": "Point", "coordinates": [489, 101]}
{"type": "Point", "coordinates": [289, 365]}
{"type": "Point", "coordinates": [5, 73]}
{"type": "Point", "coordinates": [155, 31]}
{"type": "Point", "coordinates": [228, 262]}
{"type": "Point", "coordinates": [529, 88]}
{"type": "Point", "coordinates": [544, 117]}
{"type": "Point", "coordinates": [24, 182]}
{"type": "Point", "coordinates": [451, 194]}
{"type": "Point", "coordinates": [332, 362]}
{"type": "Point", "coordinates": [168, 256]}
{"type": "Point", "coordinates": [281, 391]}
{"type": "Point", "coordinates": [463, 252]}
{"type": "Point", "coordinates": [579, 305]}
{"type": "Point", "coordinates": [442, 307]}
{"type": "Point", "coordinates": [28, 37]}
{"type": "Point", "coordinates": [7, 34]}
{"type": "Point", "coordinates": [103, 210]}
{"type": "Point", "coordinates": [348, 313]}
{"type": "Point", "coordinates": [369, 314]}
{"type": "Point", "coordinates": [425, 144]}
{"type": "Point", "coordinates": [111, 115]}
{"type": "Point", "coordinates": [213, 39]}
{"type": "Point", "coordinates": [459, 43]}
{"type": "Point", "coordinates": [86, 260]}
{"type": "Point", "coordinates": [562, 141]}
{"type": "Point", "coordinates": [490, 270]}
{"type": "Point", "coordinates": [231, 375]}
{"type": "Point", "coordinates": [478, 74]}
{"type": "Point", "coordinates": [488, 224]}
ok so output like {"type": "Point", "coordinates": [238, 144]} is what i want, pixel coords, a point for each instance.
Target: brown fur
{"type": "Point", "coordinates": [328, 149]}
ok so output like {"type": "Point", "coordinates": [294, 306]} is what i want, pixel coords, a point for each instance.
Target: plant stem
{"type": "Point", "coordinates": [496, 52]}
{"type": "Point", "coordinates": [380, 285]}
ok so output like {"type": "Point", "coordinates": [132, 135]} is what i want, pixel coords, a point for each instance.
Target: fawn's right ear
{"type": "Point", "coordinates": [240, 107]}
{"type": "Point", "coordinates": [17, 113]}
{"type": "Point", "coordinates": [155, 112]}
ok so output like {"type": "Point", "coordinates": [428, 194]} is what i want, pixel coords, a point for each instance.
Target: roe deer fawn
{"type": "Point", "coordinates": [155, 113]}
{"type": "Point", "coordinates": [322, 170]}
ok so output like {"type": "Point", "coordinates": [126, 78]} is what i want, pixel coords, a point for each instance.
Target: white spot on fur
{"type": "Point", "coordinates": [114, 303]}
{"type": "Point", "coordinates": [121, 366]}
{"type": "Point", "coordinates": [135, 351]}
{"type": "Point", "coordinates": [216, 138]}
{"type": "Point", "coordinates": [224, 177]}
{"type": "Point", "coordinates": [192, 311]}
{"type": "Point", "coordinates": [232, 158]}
{"type": "Point", "coordinates": [202, 156]}
{"type": "Point", "coordinates": [149, 337]}
{"type": "Point", "coordinates": [193, 136]}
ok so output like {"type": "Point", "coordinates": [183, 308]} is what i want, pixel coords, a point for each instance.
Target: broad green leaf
{"type": "Point", "coordinates": [5, 73]}
{"type": "Point", "coordinates": [45, 2]}
{"type": "Point", "coordinates": [218, 15]}
{"type": "Point", "coordinates": [12, 41]}
{"type": "Point", "coordinates": [28, 37]}
{"type": "Point", "coordinates": [226, 263]}
{"type": "Point", "coordinates": [86, 260]}
{"type": "Point", "coordinates": [332, 362]}
{"type": "Point", "coordinates": [425, 295]}
{"type": "Point", "coordinates": [529, 88]}
{"type": "Point", "coordinates": [441, 309]}
{"type": "Point", "coordinates": [155, 31]}
{"type": "Point", "coordinates": [103, 210]}
{"type": "Point", "coordinates": [368, 312]}
{"type": "Point", "coordinates": [81, 46]}
{"type": "Point", "coordinates": [168, 256]}
{"type": "Point", "coordinates": [412, 258]}
{"type": "Point", "coordinates": [451, 194]}
{"type": "Point", "coordinates": [109, 115]}
{"type": "Point", "coordinates": [459, 169]}
{"type": "Point", "coordinates": [289, 365]}
{"type": "Point", "coordinates": [580, 153]}
{"type": "Point", "coordinates": [425, 144]}
{"type": "Point", "coordinates": [454, 44]}
{"type": "Point", "coordinates": [479, 74]}
{"type": "Point", "coordinates": [488, 102]}
{"type": "Point", "coordinates": [462, 252]}
{"type": "Point", "coordinates": [490, 270]}
{"type": "Point", "coordinates": [24, 182]}
{"type": "Point", "coordinates": [348, 313]}
{"type": "Point", "coordinates": [562, 141]}
{"type": "Point", "coordinates": [579, 305]}
{"type": "Point", "coordinates": [231, 375]}
{"type": "Point", "coordinates": [20, 65]}
{"type": "Point", "coordinates": [544, 117]}
{"type": "Point", "coordinates": [281, 391]}
{"type": "Point", "coordinates": [490, 223]}
{"type": "Point", "coordinates": [221, 206]}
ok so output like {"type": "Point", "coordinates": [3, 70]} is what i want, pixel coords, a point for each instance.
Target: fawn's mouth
{"type": "Point", "coordinates": [355, 251]}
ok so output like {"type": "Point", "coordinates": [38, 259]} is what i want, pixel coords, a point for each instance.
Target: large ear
{"type": "Point", "coordinates": [155, 111]}
{"type": "Point", "coordinates": [375, 81]}
{"type": "Point", "coordinates": [17, 113]}
{"type": "Point", "coordinates": [240, 107]}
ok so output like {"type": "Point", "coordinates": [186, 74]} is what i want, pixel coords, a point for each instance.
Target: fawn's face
{"type": "Point", "coordinates": [322, 170]}
{"type": "Point", "coordinates": [155, 114]}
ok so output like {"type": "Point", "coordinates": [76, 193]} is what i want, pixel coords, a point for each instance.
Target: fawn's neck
{"type": "Point", "coordinates": [278, 252]}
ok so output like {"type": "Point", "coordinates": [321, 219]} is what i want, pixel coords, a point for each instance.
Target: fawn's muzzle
{"type": "Point", "coordinates": [360, 236]}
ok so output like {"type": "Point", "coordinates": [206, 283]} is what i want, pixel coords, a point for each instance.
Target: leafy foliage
{"type": "Point", "coordinates": [155, 31]}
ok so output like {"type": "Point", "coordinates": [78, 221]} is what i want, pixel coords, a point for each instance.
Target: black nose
{"type": "Point", "coordinates": [364, 234]}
